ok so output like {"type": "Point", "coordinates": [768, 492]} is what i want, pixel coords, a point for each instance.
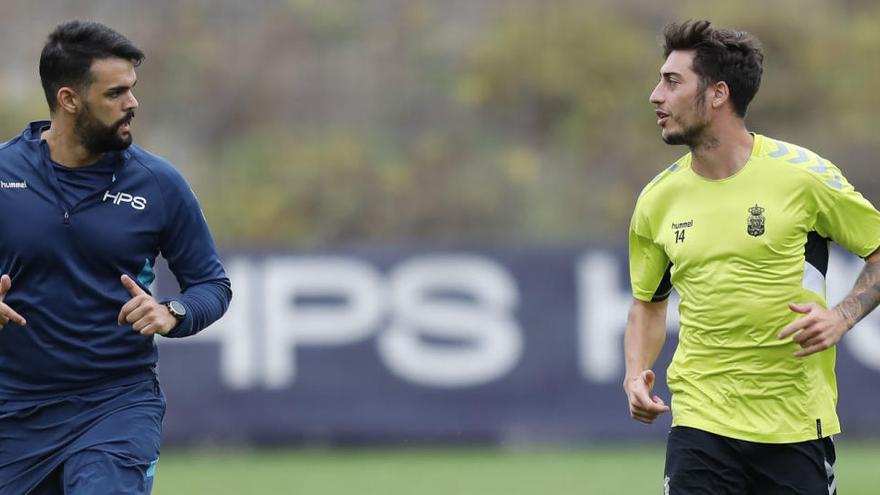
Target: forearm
{"type": "Point", "coordinates": [865, 294]}
{"type": "Point", "coordinates": [645, 335]}
{"type": "Point", "coordinates": [205, 304]}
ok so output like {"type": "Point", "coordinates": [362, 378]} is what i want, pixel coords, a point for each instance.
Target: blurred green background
{"type": "Point", "coordinates": [309, 123]}
{"type": "Point", "coordinates": [594, 470]}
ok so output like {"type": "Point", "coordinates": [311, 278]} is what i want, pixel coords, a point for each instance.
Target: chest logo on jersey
{"type": "Point", "coordinates": [13, 185]}
{"type": "Point", "coordinates": [136, 202]}
{"type": "Point", "coordinates": [755, 225]}
{"type": "Point", "coordinates": [680, 228]}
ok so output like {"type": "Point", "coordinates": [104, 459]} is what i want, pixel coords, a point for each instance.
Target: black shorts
{"type": "Point", "coordinates": [699, 462]}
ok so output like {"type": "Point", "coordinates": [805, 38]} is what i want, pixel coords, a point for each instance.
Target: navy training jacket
{"type": "Point", "coordinates": [65, 261]}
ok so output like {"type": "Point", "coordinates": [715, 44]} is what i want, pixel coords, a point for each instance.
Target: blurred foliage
{"type": "Point", "coordinates": [310, 123]}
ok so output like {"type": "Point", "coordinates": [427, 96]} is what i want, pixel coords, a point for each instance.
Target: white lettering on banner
{"type": "Point", "coordinates": [438, 320]}
{"type": "Point", "coordinates": [603, 304]}
{"type": "Point", "coordinates": [355, 285]}
{"type": "Point", "coordinates": [475, 337]}
{"type": "Point", "coordinates": [485, 342]}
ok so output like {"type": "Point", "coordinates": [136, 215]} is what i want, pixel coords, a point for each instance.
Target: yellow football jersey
{"type": "Point", "coordinates": [738, 250]}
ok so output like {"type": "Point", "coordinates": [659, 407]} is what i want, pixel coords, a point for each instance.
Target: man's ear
{"type": "Point", "coordinates": [68, 100]}
{"type": "Point", "coordinates": [720, 94]}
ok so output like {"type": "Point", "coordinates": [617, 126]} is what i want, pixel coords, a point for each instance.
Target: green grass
{"type": "Point", "coordinates": [451, 471]}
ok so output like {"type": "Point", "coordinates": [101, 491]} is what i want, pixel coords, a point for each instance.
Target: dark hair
{"type": "Point", "coordinates": [70, 51]}
{"type": "Point", "coordinates": [734, 57]}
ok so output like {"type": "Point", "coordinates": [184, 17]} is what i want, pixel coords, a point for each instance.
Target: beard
{"type": "Point", "coordinates": [691, 135]}
{"type": "Point", "coordinates": [96, 137]}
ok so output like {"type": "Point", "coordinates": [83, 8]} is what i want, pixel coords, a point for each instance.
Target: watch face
{"type": "Point", "coordinates": [177, 309]}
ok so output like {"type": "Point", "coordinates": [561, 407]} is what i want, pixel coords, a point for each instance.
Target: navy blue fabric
{"type": "Point", "coordinates": [102, 442]}
{"type": "Point", "coordinates": [79, 183]}
{"type": "Point", "coordinates": [66, 260]}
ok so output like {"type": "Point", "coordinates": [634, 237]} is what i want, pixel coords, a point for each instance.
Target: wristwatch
{"type": "Point", "coordinates": [177, 309]}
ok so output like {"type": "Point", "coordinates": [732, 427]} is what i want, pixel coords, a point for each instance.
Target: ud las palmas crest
{"type": "Point", "coordinates": [756, 221]}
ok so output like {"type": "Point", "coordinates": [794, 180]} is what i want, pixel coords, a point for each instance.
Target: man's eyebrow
{"type": "Point", "coordinates": [121, 86]}
{"type": "Point", "coordinates": [668, 74]}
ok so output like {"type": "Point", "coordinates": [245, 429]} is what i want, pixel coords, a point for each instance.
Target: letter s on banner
{"type": "Point", "coordinates": [453, 322]}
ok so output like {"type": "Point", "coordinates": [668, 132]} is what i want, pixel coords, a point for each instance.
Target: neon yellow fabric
{"type": "Point", "coordinates": [737, 252]}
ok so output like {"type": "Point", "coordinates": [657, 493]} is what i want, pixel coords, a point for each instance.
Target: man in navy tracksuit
{"type": "Point", "coordinates": [84, 215]}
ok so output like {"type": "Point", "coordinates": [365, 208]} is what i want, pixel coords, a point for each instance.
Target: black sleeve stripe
{"type": "Point", "coordinates": [665, 288]}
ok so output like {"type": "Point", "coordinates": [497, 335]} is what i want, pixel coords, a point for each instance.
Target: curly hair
{"type": "Point", "coordinates": [734, 57]}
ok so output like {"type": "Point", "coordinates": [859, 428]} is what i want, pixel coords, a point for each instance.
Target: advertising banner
{"type": "Point", "coordinates": [399, 345]}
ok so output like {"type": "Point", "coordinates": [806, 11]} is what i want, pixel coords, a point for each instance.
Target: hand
{"type": "Point", "coordinates": [642, 406]}
{"type": "Point", "coordinates": [819, 330]}
{"type": "Point", "coordinates": [7, 314]}
{"type": "Point", "coordinates": [144, 313]}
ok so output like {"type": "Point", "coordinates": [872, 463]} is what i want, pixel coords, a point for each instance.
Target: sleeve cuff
{"type": "Point", "coordinates": [184, 326]}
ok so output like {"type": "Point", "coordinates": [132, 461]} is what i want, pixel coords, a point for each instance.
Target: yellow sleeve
{"type": "Point", "coordinates": [844, 215]}
{"type": "Point", "coordinates": [649, 267]}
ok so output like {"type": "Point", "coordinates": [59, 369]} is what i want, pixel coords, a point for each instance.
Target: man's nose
{"type": "Point", "coordinates": [656, 96]}
{"type": "Point", "coordinates": [131, 103]}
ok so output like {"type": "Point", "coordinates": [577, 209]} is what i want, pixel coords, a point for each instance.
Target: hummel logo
{"type": "Point", "coordinates": [13, 185]}
{"type": "Point", "coordinates": [683, 225]}
{"type": "Point", "coordinates": [680, 229]}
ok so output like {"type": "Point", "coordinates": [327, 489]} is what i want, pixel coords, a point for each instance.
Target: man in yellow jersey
{"type": "Point", "coordinates": [740, 227]}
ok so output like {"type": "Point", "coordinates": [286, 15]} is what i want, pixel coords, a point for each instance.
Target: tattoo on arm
{"type": "Point", "coordinates": [864, 296]}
